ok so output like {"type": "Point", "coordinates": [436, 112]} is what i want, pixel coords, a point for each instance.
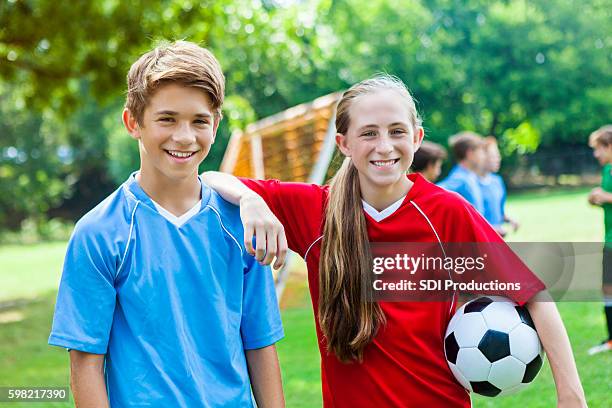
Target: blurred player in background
{"type": "Point", "coordinates": [601, 142]}
{"type": "Point", "coordinates": [428, 160]}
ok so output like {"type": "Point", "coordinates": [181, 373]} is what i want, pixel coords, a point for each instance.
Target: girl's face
{"type": "Point", "coordinates": [381, 140]}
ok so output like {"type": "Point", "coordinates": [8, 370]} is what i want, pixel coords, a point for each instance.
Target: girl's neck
{"type": "Point", "coordinates": [382, 197]}
{"type": "Point", "coordinates": [175, 195]}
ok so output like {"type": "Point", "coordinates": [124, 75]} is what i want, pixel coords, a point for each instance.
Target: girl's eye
{"type": "Point", "coordinates": [200, 122]}
{"type": "Point", "coordinates": [398, 131]}
{"type": "Point", "coordinates": [166, 119]}
{"type": "Point", "coordinates": [370, 133]}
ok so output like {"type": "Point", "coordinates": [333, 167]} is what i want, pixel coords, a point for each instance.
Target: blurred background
{"type": "Point", "coordinates": [534, 74]}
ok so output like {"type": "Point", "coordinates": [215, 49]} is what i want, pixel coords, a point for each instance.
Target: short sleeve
{"type": "Point", "coordinates": [261, 322]}
{"type": "Point", "coordinates": [298, 206]}
{"type": "Point", "coordinates": [86, 298]}
{"type": "Point", "coordinates": [501, 264]}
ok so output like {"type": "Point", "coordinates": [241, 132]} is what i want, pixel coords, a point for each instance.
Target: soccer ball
{"type": "Point", "coordinates": [492, 347]}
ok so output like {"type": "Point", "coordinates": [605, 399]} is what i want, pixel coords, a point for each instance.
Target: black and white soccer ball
{"type": "Point", "coordinates": [492, 347]}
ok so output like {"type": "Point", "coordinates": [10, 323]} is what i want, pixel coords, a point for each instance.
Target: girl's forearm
{"type": "Point", "coordinates": [557, 346]}
{"type": "Point", "coordinates": [228, 186]}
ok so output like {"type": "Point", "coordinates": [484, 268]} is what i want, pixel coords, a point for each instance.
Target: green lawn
{"type": "Point", "coordinates": [29, 277]}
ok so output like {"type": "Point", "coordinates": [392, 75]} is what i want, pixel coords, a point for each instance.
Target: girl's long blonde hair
{"type": "Point", "coordinates": [348, 318]}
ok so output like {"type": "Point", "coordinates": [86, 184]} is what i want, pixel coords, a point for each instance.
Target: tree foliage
{"type": "Point", "coordinates": [532, 73]}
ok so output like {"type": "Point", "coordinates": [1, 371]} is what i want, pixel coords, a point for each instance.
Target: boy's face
{"type": "Point", "coordinates": [493, 159]}
{"type": "Point", "coordinates": [432, 170]}
{"type": "Point", "coordinates": [476, 158]}
{"type": "Point", "coordinates": [603, 153]}
{"type": "Point", "coordinates": [177, 131]}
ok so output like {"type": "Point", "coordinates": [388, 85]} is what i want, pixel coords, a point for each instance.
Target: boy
{"type": "Point", "coordinates": [428, 160]}
{"type": "Point", "coordinates": [601, 142]}
{"type": "Point", "coordinates": [493, 189]}
{"type": "Point", "coordinates": [468, 150]}
{"type": "Point", "coordinates": [159, 303]}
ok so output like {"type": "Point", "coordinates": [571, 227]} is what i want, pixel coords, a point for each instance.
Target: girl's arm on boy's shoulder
{"type": "Point", "coordinates": [257, 218]}
{"type": "Point", "coordinates": [265, 375]}
{"type": "Point", "coordinates": [87, 380]}
{"type": "Point", "coordinates": [557, 346]}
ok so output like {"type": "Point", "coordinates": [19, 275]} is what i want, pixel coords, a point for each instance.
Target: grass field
{"type": "Point", "coordinates": [29, 277]}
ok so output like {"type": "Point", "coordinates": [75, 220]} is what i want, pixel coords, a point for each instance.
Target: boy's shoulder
{"type": "Point", "coordinates": [456, 178]}
{"type": "Point", "coordinates": [439, 200]}
{"type": "Point", "coordinates": [227, 213]}
{"type": "Point", "coordinates": [110, 216]}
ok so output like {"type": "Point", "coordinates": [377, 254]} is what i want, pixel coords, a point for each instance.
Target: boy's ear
{"type": "Point", "coordinates": [217, 121]}
{"type": "Point", "coordinates": [342, 144]}
{"type": "Point", "coordinates": [130, 123]}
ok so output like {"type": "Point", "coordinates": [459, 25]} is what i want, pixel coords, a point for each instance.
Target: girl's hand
{"type": "Point", "coordinates": [269, 233]}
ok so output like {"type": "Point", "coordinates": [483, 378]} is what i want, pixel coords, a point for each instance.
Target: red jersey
{"type": "Point", "coordinates": [404, 366]}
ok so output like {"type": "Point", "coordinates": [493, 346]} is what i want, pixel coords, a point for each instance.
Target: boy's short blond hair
{"type": "Point", "coordinates": [602, 136]}
{"type": "Point", "coordinates": [181, 62]}
{"type": "Point", "coordinates": [462, 142]}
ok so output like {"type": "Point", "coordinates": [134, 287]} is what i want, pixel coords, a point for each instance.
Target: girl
{"type": "Point", "coordinates": [379, 354]}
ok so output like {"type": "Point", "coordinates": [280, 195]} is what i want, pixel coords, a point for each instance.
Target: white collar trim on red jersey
{"type": "Point", "coordinates": [379, 216]}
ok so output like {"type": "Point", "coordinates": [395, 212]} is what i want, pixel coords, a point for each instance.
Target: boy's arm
{"type": "Point", "coordinates": [87, 380]}
{"type": "Point", "coordinates": [513, 223]}
{"type": "Point", "coordinates": [599, 197]}
{"type": "Point", "coordinates": [266, 382]}
{"type": "Point", "coordinates": [557, 346]}
{"type": "Point", "coordinates": [257, 218]}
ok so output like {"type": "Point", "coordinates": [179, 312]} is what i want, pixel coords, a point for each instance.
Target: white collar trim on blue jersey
{"type": "Point", "coordinates": [178, 221]}
{"type": "Point", "coordinates": [379, 216]}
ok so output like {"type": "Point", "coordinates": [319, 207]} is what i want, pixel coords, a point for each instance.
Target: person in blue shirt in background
{"type": "Point", "coordinates": [468, 150]}
{"type": "Point", "coordinates": [159, 302]}
{"type": "Point", "coordinates": [493, 189]}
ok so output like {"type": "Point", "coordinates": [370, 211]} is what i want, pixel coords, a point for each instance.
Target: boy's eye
{"type": "Point", "coordinates": [200, 122]}
{"type": "Point", "coordinates": [398, 131]}
{"type": "Point", "coordinates": [166, 119]}
{"type": "Point", "coordinates": [368, 133]}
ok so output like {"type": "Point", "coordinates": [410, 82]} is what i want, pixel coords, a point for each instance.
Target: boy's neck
{"type": "Point", "coordinates": [468, 166]}
{"type": "Point", "coordinates": [175, 195]}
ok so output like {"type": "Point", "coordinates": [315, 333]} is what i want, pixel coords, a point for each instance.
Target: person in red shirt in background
{"type": "Point", "coordinates": [380, 354]}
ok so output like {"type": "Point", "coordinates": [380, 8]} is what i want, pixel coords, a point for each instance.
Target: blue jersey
{"type": "Point", "coordinates": [173, 308]}
{"type": "Point", "coordinates": [494, 198]}
{"type": "Point", "coordinates": [464, 182]}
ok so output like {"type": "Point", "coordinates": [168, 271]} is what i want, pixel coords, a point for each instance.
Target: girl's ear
{"type": "Point", "coordinates": [131, 124]}
{"type": "Point", "coordinates": [419, 134]}
{"type": "Point", "coordinates": [341, 142]}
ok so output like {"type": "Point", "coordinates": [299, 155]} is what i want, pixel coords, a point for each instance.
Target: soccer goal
{"type": "Point", "coordinates": [293, 145]}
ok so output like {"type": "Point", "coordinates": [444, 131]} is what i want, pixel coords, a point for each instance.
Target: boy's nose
{"type": "Point", "coordinates": [184, 135]}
